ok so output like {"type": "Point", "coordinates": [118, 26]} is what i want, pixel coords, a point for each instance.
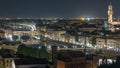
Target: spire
{"type": "Point", "coordinates": [110, 13]}
{"type": "Point", "coordinates": [110, 6]}
{"type": "Point", "coordinates": [110, 3]}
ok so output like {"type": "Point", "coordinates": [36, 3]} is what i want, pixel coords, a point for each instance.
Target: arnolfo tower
{"type": "Point", "coordinates": [110, 14]}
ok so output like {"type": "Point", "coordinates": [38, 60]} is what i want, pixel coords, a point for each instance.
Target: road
{"type": "Point", "coordinates": [110, 53]}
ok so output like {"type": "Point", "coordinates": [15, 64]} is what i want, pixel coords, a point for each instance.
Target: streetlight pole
{"type": "Point", "coordinates": [85, 42]}
{"type": "Point", "coordinates": [105, 36]}
{"type": "Point", "coordinates": [85, 45]}
{"type": "Point", "coordinates": [85, 51]}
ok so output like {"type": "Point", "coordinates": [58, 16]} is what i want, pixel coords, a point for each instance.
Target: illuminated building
{"type": "Point", "coordinates": [8, 33]}
{"type": "Point", "coordinates": [6, 59]}
{"type": "Point", "coordinates": [11, 47]}
{"type": "Point", "coordinates": [100, 42]}
{"type": "Point", "coordinates": [55, 34]}
{"type": "Point", "coordinates": [110, 16]}
{"type": "Point", "coordinates": [25, 33]}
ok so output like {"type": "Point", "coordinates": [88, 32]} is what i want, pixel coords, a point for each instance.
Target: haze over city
{"type": "Point", "coordinates": [59, 34]}
{"type": "Point", "coordinates": [57, 8]}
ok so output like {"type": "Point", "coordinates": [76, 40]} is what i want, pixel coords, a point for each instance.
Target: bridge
{"type": "Point", "coordinates": [102, 52]}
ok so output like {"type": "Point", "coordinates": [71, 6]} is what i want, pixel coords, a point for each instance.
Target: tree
{"type": "Point", "coordinates": [34, 52]}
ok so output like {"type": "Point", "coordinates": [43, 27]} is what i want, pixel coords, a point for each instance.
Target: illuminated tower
{"type": "Point", "coordinates": [110, 13]}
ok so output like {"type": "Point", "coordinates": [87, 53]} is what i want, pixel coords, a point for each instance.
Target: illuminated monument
{"type": "Point", "coordinates": [110, 16]}
{"type": "Point", "coordinates": [26, 33]}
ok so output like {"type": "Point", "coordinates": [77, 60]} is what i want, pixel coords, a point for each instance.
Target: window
{"type": "Point", "coordinates": [7, 61]}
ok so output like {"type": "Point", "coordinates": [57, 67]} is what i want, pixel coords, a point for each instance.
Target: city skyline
{"type": "Point", "coordinates": [57, 8]}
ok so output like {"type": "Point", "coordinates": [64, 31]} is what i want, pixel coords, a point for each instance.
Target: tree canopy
{"type": "Point", "coordinates": [34, 52]}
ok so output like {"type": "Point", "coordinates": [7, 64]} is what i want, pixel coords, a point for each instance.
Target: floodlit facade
{"type": "Point", "coordinates": [110, 16]}
{"type": "Point", "coordinates": [100, 42]}
{"type": "Point", "coordinates": [27, 34]}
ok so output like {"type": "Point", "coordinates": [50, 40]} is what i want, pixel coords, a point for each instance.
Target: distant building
{"type": "Point", "coordinates": [8, 33]}
{"type": "Point", "coordinates": [31, 63]}
{"type": "Point", "coordinates": [100, 42]}
{"type": "Point", "coordinates": [10, 46]}
{"type": "Point", "coordinates": [110, 20]}
{"type": "Point", "coordinates": [55, 34]}
{"type": "Point", "coordinates": [6, 59]}
{"type": "Point", "coordinates": [110, 16]}
{"type": "Point", "coordinates": [76, 59]}
{"type": "Point", "coordinates": [9, 60]}
{"type": "Point", "coordinates": [25, 33]}
{"type": "Point", "coordinates": [2, 34]}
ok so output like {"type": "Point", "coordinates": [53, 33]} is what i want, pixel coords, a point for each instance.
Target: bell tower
{"type": "Point", "coordinates": [110, 14]}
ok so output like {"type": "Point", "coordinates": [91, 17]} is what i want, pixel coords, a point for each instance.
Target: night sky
{"type": "Point", "coordinates": [57, 8]}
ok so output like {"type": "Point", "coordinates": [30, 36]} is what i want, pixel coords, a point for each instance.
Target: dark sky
{"type": "Point", "coordinates": [57, 8]}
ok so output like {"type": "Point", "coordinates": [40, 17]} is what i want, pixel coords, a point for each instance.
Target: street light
{"type": "Point", "coordinates": [85, 32]}
{"type": "Point", "coordinates": [105, 37]}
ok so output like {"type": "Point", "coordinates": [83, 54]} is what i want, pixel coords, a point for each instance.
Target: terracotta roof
{"type": "Point", "coordinates": [67, 55]}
